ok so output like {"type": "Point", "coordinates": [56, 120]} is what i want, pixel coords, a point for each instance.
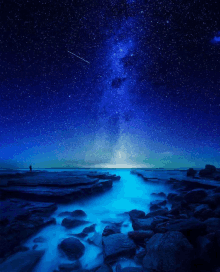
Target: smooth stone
{"type": "Point", "coordinates": [72, 223]}
{"type": "Point", "coordinates": [72, 247]}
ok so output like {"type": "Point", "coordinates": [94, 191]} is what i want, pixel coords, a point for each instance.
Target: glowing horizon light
{"type": "Point", "coordinates": [125, 166]}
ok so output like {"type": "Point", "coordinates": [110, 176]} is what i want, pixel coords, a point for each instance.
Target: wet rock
{"type": "Point", "coordinates": [216, 212]}
{"type": "Point", "coordinates": [213, 200]}
{"type": "Point", "coordinates": [111, 229]}
{"type": "Point", "coordinates": [158, 202]}
{"type": "Point", "coordinates": [195, 196]}
{"type": "Point", "coordinates": [160, 212]}
{"type": "Point", "coordinates": [143, 224]}
{"type": "Point", "coordinates": [168, 252]}
{"type": "Point", "coordinates": [72, 247]}
{"type": "Point", "coordinates": [191, 228]}
{"type": "Point", "coordinates": [191, 172]}
{"type": "Point", "coordinates": [70, 266]}
{"type": "Point", "coordinates": [22, 261]}
{"type": "Point", "coordinates": [39, 239]}
{"type": "Point", "coordinates": [117, 245]}
{"type": "Point", "coordinates": [172, 197]}
{"type": "Point", "coordinates": [78, 213]}
{"type": "Point", "coordinates": [140, 236]}
{"type": "Point", "coordinates": [140, 253]}
{"type": "Point", "coordinates": [212, 224]}
{"type": "Point", "coordinates": [21, 227]}
{"type": "Point", "coordinates": [104, 268]}
{"type": "Point", "coordinates": [89, 229]}
{"type": "Point", "coordinates": [96, 239]}
{"type": "Point", "coordinates": [136, 214]}
{"type": "Point", "coordinates": [203, 212]}
{"type": "Point", "coordinates": [72, 223]}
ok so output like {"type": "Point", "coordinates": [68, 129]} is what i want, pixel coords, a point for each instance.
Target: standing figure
{"type": "Point", "coordinates": [30, 167]}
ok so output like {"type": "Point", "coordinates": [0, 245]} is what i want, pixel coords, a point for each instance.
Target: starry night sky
{"type": "Point", "coordinates": [142, 90]}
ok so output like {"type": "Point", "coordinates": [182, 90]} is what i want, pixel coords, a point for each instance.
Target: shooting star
{"type": "Point", "coordinates": [78, 57]}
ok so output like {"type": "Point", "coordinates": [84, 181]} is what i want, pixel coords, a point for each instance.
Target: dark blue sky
{"type": "Point", "coordinates": [143, 91]}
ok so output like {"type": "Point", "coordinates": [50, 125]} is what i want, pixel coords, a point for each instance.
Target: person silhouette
{"type": "Point", "coordinates": [30, 167]}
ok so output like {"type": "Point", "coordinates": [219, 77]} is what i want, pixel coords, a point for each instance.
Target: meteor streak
{"type": "Point", "coordinates": [78, 57]}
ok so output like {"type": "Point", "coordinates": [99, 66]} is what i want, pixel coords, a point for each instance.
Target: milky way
{"type": "Point", "coordinates": [141, 90]}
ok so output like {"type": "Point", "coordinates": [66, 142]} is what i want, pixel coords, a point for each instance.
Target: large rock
{"type": "Point", "coordinates": [72, 223]}
{"type": "Point", "coordinates": [203, 212]}
{"type": "Point", "coordinates": [68, 267]}
{"type": "Point", "coordinates": [104, 268]}
{"type": "Point", "coordinates": [195, 196]}
{"type": "Point", "coordinates": [136, 214]}
{"type": "Point", "coordinates": [111, 229]}
{"type": "Point", "coordinates": [72, 247]}
{"type": "Point", "coordinates": [140, 235]}
{"type": "Point", "coordinates": [22, 261]}
{"type": "Point", "coordinates": [213, 200]}
{"type": "Point", "coordinates": [168, 252]}
{"type": "Point", "coordinates": [208, 171]}
{"type": "Point", "coordinates": [191, 228]}
{"type": "Point", "coordinates": [160, 212]}
{"type": "Point", "coordinates": [212, 224]}
{"type": "Point", "coordinates": [191, 172]}
{"type": "Point", "coordinates": [143, 224]}
{"type": "Point", "coordinates": [117, 245]}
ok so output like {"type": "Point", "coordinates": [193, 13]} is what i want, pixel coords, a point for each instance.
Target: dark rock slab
{"type": "Point", "coordinates": [195, 196]}
{"type": "Point", "coordinates": [191, 172]}
{"type": "Point", "coordinates": [168, 252]}
{"type": "Point", "coordinates": [72, 247]}
{"type": "Point", "coordinates": [203, 212]}
{"type": "Point", "coordinates": [208, 171]}
{"type": "Point", "coordinates": [23, 220]}
{"type": "Point", "coordinates": [117, 245]}
{"type": "Point", "coordinates": [72, 222]}
{"type": "Point", "coordinates": [22, 261]}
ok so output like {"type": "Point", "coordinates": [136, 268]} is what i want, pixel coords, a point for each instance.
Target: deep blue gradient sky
{"type": "Point", "coordinates": [148, 94]}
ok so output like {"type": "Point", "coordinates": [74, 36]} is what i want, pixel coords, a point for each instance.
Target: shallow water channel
{"type": "Point", "coordinates": [130, 192]}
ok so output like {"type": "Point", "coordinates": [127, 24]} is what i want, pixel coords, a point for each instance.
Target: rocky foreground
{"type": "Point", "coordinates": [27, 202]}
{"type": "Point", "coordinates": [183, 238]}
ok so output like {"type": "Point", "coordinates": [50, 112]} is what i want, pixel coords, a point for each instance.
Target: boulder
{"type": "Point", "coordinates": [158, 202]}
{"type": "Point", "coordinates": [168, 252]}
{"type": "Point", "coordinates": [195, 196]}
{"type": "Point", "coordinates": [72, 247]}
{"type": "Point", "coordinates": [143, 224]}
{"type": "Point", "coordinates": [72, 223]}
{"type": "Point", "coordinates": [140, 235]}
{"type": "Point", "coordinates": [22, 261]}
{"type": "Point", "coordinates": [89, 229]}
{"type": "Point", "coordinates": [160, 212]}
{"type": "Point", "coordinates": [78, 213]}
{"type": "Point", "coordinates": [191, 228]}
{"type": "Point", "coordinates": [117, 245]}
{"type": "Point", "coordinates": [213, 200]}
{"type": "Point", "coordinates": [68, 267]}
{"type": "Point", "coordinates": [191, 172]}
{"type": "Point", "coordinates": [203, 212]}
{"type": "Point", "coordinates": [111, 229]}
{"type": "Point", "coordinates": [208, 171]}
{"type": "Point", "coordinates": [212, 224]}
{"type": "Point", "coordinates": [172, 197]}
{"type": "Point", "coordinates": [136, 214]}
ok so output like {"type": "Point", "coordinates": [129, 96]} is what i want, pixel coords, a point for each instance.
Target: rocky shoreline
{"type": "Point", "coordinates": [185, 237]}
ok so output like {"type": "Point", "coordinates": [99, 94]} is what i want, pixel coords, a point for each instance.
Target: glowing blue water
{"type": "Point", "coordinates": [131, 192]}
